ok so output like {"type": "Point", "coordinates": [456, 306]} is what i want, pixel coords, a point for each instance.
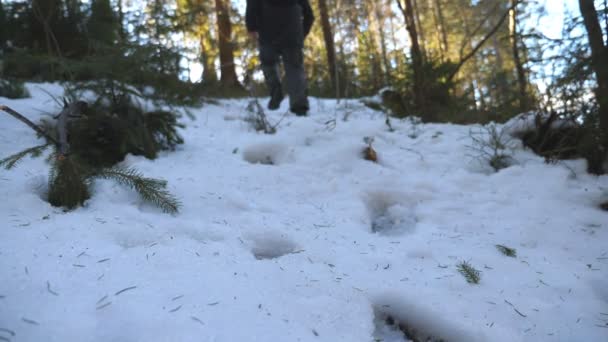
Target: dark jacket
{"type": "Point", "coordinates": [280, 22]}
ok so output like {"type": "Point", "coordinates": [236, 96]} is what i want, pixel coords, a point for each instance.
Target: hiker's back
{"type": "Point", "coordinates": [281, 3]}
{"type": "Point", "coordinates": [281, 22]}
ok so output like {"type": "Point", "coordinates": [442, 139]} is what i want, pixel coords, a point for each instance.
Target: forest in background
{"type": "Point", "coordinates": [462, 61]}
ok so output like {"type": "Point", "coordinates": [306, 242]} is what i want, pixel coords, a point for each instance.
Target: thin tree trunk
{"type": "Point", "coordinates": [121, 20]}
{"type": "Point", "coordinates": [606, 19]}
{"type": "Point", "coordinates": [330, 48]}
{"type": "Point", "coordinates": [599, 59]}
{"type": "Point", "coordinates": [378, 71]}
{"type": "Point", "coordinates": [227, 66]}
{"type": "Point", "coordinates": [383, 43]}
{"type": "Point", "coordinates": [417, 59]}
{"type": "Point", "coordinates": [442, 27]}
{"type": "Point", "coordinates": [420, 28]}
{"type": "Point", "coordinates": [437, 29]}
{"type": "Point", "coordinates": [209, 75]}
{"type": "Point", "coordinates": [519, 67]}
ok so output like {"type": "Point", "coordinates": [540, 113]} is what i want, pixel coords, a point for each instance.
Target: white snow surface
{"type": "Point", "coordinates": [285, 251]}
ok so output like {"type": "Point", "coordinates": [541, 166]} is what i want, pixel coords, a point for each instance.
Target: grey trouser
{"type": "Point", "coordinates": [293, 62]}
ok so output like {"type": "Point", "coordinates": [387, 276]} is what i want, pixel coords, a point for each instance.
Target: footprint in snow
{"type": "Point", "coordinates": [391, 213]}
{"type": "Point", "coordinates": [398, 320]}
{"type": "Point", "coordinates": [271, 245]}
{"type": "Point", "coordinates": [269, 153]}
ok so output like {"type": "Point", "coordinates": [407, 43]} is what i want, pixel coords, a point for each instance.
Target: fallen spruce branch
{"type": "Point", "coordinates": [27, 121]}
{"type": "Point", "coordinates": [70, 110]}
{"type": "Point", "coordinates": [71, 175]}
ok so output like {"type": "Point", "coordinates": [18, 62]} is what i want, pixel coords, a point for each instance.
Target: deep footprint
{"type": "Point", "coordinates": [266, 153]}
{"type": "Point", "coordinates": [396, 320]}
{"type": "Point", "coordinates": [390, 213]}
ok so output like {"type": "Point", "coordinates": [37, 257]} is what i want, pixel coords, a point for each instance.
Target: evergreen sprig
{"type": "Point", "coordinates": [510, 252]}
{"type": "Point", "coordinates": [472, 275]}
{"type": "Point", "coordinates": [11, 161]}
{"type": "Point", "coordinates": [68, 182]}
{"type": "Point", "coordinates": [150, 189]}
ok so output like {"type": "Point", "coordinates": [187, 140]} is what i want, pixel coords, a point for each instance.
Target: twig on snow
{"type": "Point", "coordinates": [514, 308]}
{"type": "Point", "coordinates": [48, 288]}
{"type": "Point", "coordinates": [125, 290]}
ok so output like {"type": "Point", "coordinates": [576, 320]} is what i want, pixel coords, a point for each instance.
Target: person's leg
{"type": "Point", "coordinates": [293, 61]}
{"type": "Point", "coordinates": [269, 58]}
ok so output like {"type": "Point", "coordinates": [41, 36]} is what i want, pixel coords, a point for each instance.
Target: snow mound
{"type": "Point", "coordinates": [526, 122]}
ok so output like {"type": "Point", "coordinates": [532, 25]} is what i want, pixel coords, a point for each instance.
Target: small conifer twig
{"type": "Point", "coordinates": [150, 189]}
{"type": "Point", "coordinates": [10, 162]}
{"type": "Point", "coordinates": [472, 275]}
{"type": "Point", "coordinates": [510, 252]}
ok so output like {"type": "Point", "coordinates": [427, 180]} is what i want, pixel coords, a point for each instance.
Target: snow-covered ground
{"type": "Point", "coordinates": [319, 246]}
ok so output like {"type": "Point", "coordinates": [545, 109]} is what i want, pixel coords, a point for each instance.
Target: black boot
{"type": "Point", "coordinates": [276, 96]}
{"type": "Point", "coordinates": [301, 110]}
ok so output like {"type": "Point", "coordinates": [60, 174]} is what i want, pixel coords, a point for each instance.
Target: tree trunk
{"type": "Point", "coordinates": [224, 27]}
{"type": "Point", "coordinates": [330, 48]}
{"type": "Point", "coordinates": [209, 75]}
{"type": "Point", "coordinates": [121, 19]}
{"type": "Point", "coordinates": [417, 59]}
{"type": "Point", "coordinates": [3, 34]}
{"type": "Point", "coordinates": [599, 62]}
{"type": "Point", "coordinates": [444, 35]}
{"type": "Point", "coordinates": [599, 58]}
{"type": "Point", "coordinates": [522, 81]}
{"type": "Point", "coordinates": [383, 42]}
{"type": "Point", "coordinates": [375, 46]}
{"type": "Point", "coordinates": [420, 28]}
{"type": "Point", "coordinates": [606, 19]}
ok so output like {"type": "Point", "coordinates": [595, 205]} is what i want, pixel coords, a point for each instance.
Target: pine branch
{"type": "Point", "coordinates": [510, 252]}
{"type": "Point", "coordinates": [68, 182]}
{"type": "Point", "coordinates": [26, 121]}
{"type": "Point", "coordinates": [472, 275]}
{"type": "Point", "coordinates": [150, 189]}
{"type": "Point", "coordinates": [10, 162]}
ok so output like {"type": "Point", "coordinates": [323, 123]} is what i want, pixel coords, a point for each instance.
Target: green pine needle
{"type": "Point", "coordinates": [10, 162]}
{"type": "Point", "coordinates": [150, 189]}
{"type": "Point", "coordinates": [510, 252]}
{"type": "Point", "coordinates": [472, 275]}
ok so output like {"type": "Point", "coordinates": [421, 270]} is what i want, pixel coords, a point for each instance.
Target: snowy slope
{"type": "Point", "coordinates": [286, 252]}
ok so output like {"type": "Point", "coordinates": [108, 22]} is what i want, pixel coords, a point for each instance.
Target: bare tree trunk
{"type": "Point", "coordinates": [383, 42]}
{"type": "Point", "coordinates": [599, 59]}
{"type": "Point", "coordinates": [420, 28]}
{"type": "Point", "coordinates": [606, 19]}
{"type": "Point", "coordinates": [437, 29]}
{"type": "Point", "coordinates": [521, 73]}
{"type": "Point", "coordinates": [209, 75]}
{"type": "Point", "coordinates": [227, 67]}
{"type": "Point", "coordinates": [121, 20]}
{"type": "Point", "coordinates": [417, 58]}
{"type": "Point", "coordinates": [330, 48]}
{"type": "Point", "coordinates": [377, 67]}
{"type": "Point", "coordinates": [442, 27]}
